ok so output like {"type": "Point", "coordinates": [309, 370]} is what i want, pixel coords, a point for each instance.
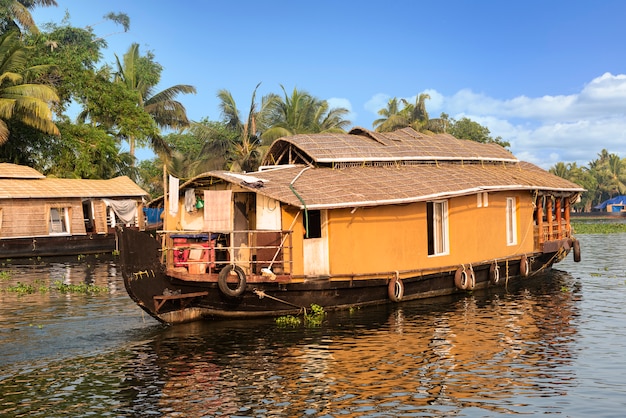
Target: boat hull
{"type": "Point", "coordinates": [57, 246]}
{"type": "Point", "coordinates": [172, 300]}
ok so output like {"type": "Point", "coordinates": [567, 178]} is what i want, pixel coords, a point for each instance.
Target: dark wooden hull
{"type": "Point", "coordinates": [57, 246]}
{"type": "Point", "coordinates": [171, 300]}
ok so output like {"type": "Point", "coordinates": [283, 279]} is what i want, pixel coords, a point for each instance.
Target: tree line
{"type": "Point", "coordinates": [603, 178]}
{"type": "Point", "coordinates": [45, 71]}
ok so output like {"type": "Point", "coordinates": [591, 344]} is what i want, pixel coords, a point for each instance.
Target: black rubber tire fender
{"type": "Point", "coordinates": [395, 289]}
{"type": "Point", "coordinates": [494, 273]}
{"type": "Point", "coordinates": [576, 246]}
{"type": "Point", "coordinates": [222, 281]}
{"type": "Point", "coordinates": [471, 282]}
{"type": "Point", "coordinates": [524, 266]}
{"type": "Point", "coordinates": [461, 279]}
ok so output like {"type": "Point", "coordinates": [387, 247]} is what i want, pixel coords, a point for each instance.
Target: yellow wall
{"type": "Point", "coordinates": [390, 238]}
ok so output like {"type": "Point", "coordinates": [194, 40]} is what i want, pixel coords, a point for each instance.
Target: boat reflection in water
{"type": "Point", "coordinates": [497, 351]}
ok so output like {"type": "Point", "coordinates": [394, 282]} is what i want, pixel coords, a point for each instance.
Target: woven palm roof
{"type": "Point", "coordinates": [14, 171]}
{"type": "Point", "coordinates": [357, 186]}
{"type": "Point", "coordinates": [29, 188]}
{"type": "Point", "coordinates": [363, 168]}
{"type": "Point", "coordinates": [361, 145]}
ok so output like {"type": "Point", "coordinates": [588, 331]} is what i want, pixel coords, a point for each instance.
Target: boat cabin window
{"type": "Point", "coordinates": [59, 222]}
{"type": "Point", "coordinates": [437, 218]}
{"type": "Point", "coordinates": [315, 224]}
{"type": "Point", "coordinates": [511, 221]}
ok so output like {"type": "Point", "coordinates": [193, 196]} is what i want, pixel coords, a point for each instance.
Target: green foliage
{"type": "Point", "coordinates": [58, 286]}
{"type": "Point", "coordinates": [299, 113]}
{"type": "Point", "coordinates": [16, 13]}
{"type": "Point", "coordinates": [139, 75]}
{"type": "Point", "coordinates": [311, 319]}
{"type": "Point", "coordinates": [78, 288]}
{"type": "Point", "coordinates": [403, 114]}
{"type": "Point", "coordinates": [85, 151]}
{"type": "Point", "coordinates": [603, 178]}
{"type": "Point", "coordinates": [315, 317]}
{"type": "Point", "coordinates": [22, 98]}
{"type": "Point", "coordinates": [150, 176]}
{"type": "Point", "coordinates": [288, 321]}
{"type": "Point", "coordinates": [466, 128]}
{"type": "Point", "coordinates": [598, 227]}
{"type": "Point", "coordinates": [21, 288]}
{"type": "Point", "coordinates": [74, 53]}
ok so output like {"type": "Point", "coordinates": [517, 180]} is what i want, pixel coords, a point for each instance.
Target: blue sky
{"type": "Point", "coordinates": [547, 76]}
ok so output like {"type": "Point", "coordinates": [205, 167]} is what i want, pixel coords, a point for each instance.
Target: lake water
{"type": "Point", "coordinates": [554, 344]}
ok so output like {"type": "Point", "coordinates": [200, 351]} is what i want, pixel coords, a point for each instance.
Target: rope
{"type": "Point", "coordinates": [261, 294]}
{"type": "Point", "coordinates": [506, 281]}
{"type": "Point", "coordinates": [561, 253]}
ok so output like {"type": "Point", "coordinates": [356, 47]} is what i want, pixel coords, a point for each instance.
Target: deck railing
{"type": "Point", "coordinates": [252, 250]}
{"type": "Point", "coordinates": [552, 232]}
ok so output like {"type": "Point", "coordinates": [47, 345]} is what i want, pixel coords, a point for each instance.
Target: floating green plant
{"type": "Point", "coordinates": [40, 287]}
{"type": "Point", "coordinates": [78, 288]}
{"type": "Point", "coordinates": [312, 318]}
{"type": "Point", "coordinates": [5, 275]}
{"type": "Point", "coordinates": [598, 227]}
{"type": "Point", "coordinates": [288, 321]}
{"type": "Point", "coordinates": [21, 288]}
{"type": "Point", "coordinates": [315, 317]}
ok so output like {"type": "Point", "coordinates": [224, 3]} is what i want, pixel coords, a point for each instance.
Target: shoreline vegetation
{"type": "Point", "coordinates": [598, 225]}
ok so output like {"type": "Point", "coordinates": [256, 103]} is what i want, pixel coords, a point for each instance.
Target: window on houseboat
{"type": "Point", "coordinates": [58, 221]}
{"type": "Point", "coordinates": [437, 218]}
{"type": "Point", "coordinates": [315, 224]}
{"type": "Point", "coordinates": [511, 221]}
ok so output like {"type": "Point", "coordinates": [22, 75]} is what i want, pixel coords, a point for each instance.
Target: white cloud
{"type": "Point", "coordinates": [335, 102]}
{"type": "Point", "coordinates": [547, 129]}
{"type": "Point", "coordinates": [377, 102]}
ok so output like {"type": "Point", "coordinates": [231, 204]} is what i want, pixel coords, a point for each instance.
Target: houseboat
{"type": "Point", "coordinates": [42, 216]}
{"type": "Point", "coordinates": [345, 220]}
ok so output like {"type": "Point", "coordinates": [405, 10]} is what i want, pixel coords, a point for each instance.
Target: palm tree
{"type": "Point", "coordinates": [412, 115]}
{"type": "Point", "coordinates": [416, 113]}
{"type": "Point", "coordinates": [302, 113]}
{"type": "Point", "coordinates": [391, 119]}
{"type": "Point", "coordinates": [19, 101]}
{"type": "Point", "coordinates": [246, 151]}
{"type": "Point", "coordinates": [141, 75]}
{"type": "Point", "coordinates": [617, 175]}
{"type": "Point", "coordinates": [17, 12]}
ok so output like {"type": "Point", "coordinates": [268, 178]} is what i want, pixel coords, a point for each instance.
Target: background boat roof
{"type": "Point", "coordinates": [14, 171]}
{"type": "Point", "coordinates": [29, 188]}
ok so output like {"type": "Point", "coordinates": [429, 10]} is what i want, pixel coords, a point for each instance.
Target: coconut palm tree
{"type": "Point", "coordinates": [412, 115]}
{"type": "Point", "coordinates": [246, 151]}
{"type": "Point", "coordinates": [21, 101]}
{"type": "Point", "coordinates": [141, 75]}
{"type": "Point", "coordinates": [17, 12]}
{"type": "Point", "coordinates": [391, 118]}
{"type": "Point", "coordinates": [302, 113]}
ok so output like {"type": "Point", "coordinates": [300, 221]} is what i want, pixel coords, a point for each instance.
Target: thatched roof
{"type": "Point", "coordinates": [14, 171]}
{"type": "Point", "coordinates": [361, 145]}
{"type": "Point", "coordinates": [30, 188]}
{"type": "Point", "coordinates": [368, 169]}
{"type": "Point", "coordinates": [379, 185]}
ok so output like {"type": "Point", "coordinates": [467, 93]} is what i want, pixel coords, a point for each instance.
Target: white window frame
{"type": "Point", "coordinates": [64, 221]}
{"type": "Point", "coordinates": [511, 221]}
{"type": "Point", "coordinates": [441, 241]}
{"type": "Point", "coordinates": [482, 199]}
